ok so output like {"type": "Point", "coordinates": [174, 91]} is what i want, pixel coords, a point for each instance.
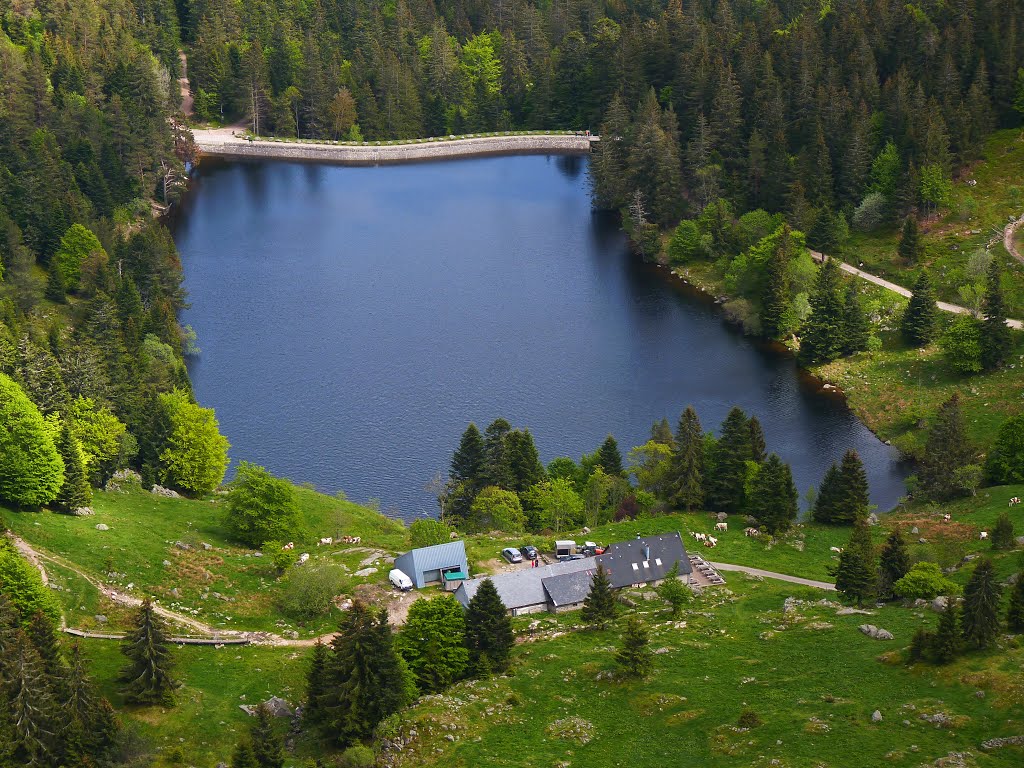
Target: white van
{"type": "Point", "coordinates": [400, 580]}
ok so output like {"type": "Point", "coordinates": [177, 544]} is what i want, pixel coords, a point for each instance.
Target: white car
{"type": "Point", "coordinates": [400, 580]}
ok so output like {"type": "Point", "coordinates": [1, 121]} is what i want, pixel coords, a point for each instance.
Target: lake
{"type": "Point", "coordinates": [353, 320]}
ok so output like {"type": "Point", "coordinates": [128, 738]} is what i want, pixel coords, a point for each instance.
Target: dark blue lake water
{"type": "Point", "coordinates": [352, 321]}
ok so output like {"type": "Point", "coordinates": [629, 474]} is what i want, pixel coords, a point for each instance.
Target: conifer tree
{"type": "Point", "coordinates": [822, 338]}
{"type": "Point", "coordinates": [609, 458]}
{"type": "Point", "coordinates": [599, 605]}
{"type": "Point", "coordinates": [488, 629]}
{"type": "Point", "coordinates": [147, 677]}
{"type": "Point", "coordinates": [469, 459]}
{"type": "Point", "coordinates": [910, 248]}
{"type": "Point", "coordinates": [1002, 533]}
{"type": "Point", "coordinates": [496, 466]}
{"type": "Point", "coordinates": [857, 572]}
{"type": "Point", "coordinates": [89, 720]}
{"type": "Point", "coordinates": [30, 704]}
{"type": "Point", "coordinates": [56, 287]}
{"type": "Point", "coordinates": [267, 745]}
{"type": "Point", "coordinates": [996, 341]}
{"type": "Point", "coordinates": [687, 471]}
{"type": "Point", "coordinates": [1015, 610]}
{"type": "Point", "coordinates": [894, 561]}
{"type": "Point", "coordinates": [920, 321]}
{"type": "Point", "coordinates": [775, 294]}
{"type": "Point", "coordinates": [981, 606]}
{"type": "Point", "coordinates": [827, 499]}
{"type": "Point", "coordinates": [634, 657]}
{"type": "Point", "coordinates": [76, 491]}
{"type": "Point", "coordinates": [946, 451]}
{"type": "Point", "coordinates": [366, 678]}
{"type": "Point", "coordinates": [852, 496]}
{"type": "Point", "coordinates": [243, 756]}
{"type": "Point", "coordinates": [523, 461]}
{"type": "Point", "coordinates": [856, 327]}
{"type": "Point", "coordinates": [674, 592]}
{"type": "Point", "coordinates": [758, 450]}
{"type": "Point", "coordinates": [948, 642]}
{"type": "Point", "coordinates": [920, 645]}
{"type": "Point", "coordinates": [732, 452]}
{"type": "Point", "coordinates": [661, 432]}
{"type": "Point", "coordinates": [43, 635]}
{"type": "Point", "coordinates": [774, 496]}
{"type": "Point", "coordinates": [316, 682]}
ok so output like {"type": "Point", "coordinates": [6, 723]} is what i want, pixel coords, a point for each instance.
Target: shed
{"type": "Point", "coordinates": [567, 591]}
{"type": "Point", "coordinates": [645, 560]}
{"type": "Point", "coordinates": [445, 563]}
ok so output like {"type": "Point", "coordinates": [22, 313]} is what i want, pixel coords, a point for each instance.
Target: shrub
{"type": "Point", "coordinates": [871, 213]}
{"type": "Point", "coordinates": [428, 532]}
{"type": "Point", "coordinates": [358, 756]}
{"type": "Point", "coordinates": [282, 559]}
{"type": "Point", "coordinates": [961, 344]}
{"type": "Point", "coordinates": [309, 591]}
{"type": "Point", "coordinates": [749, 719]}
{"type": "Point", "coordinates": [261, 507]}
{"type": "Point", "coordinates": [925, 581]}
{"type": "Point", "coordinates": [23, 586]}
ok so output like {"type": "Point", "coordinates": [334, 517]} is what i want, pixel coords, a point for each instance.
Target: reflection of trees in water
{"type": "Point", "coordinates": [570, 165]}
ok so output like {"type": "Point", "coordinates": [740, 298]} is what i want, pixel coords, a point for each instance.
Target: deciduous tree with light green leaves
{"type": "Point", "coordinates": [555, 505]}
{"type": "Point", "coordinates": [196, 454]}
{"type": "Point", "coordinates": [261, 507]}
{"type": "Point", "coordinates": [76, 246]}
{"type": "Point", "coordinates": [31, 470]}
{"type": "Point", "coordinates": [924, 581]}
{"type": "Point", "coordinates": [98, 431]}
{"type": "Point", "coordinates": [495, 509]}
{"type": "Point", "coordinates": [426, 532]}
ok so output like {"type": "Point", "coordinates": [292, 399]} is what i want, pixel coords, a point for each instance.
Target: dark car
{"type": "Point", "coordinates": [529, 552]}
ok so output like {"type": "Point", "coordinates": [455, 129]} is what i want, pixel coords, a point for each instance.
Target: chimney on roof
{"type": "Point", "coordinates": [647, 552]}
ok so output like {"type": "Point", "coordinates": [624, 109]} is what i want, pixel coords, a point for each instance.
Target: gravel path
{"type": "Point", "coordinates": [773, 575]}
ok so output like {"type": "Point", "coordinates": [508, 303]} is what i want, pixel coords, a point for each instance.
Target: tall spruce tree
{"type": "Point", "coordinates": [634, 657]}
{"type": "Point", "coordinates": [856, 327]}
{"type": "Point", "coordinates": [911, 246]}
{"type": "Point", "coordinates": [30, 705]}
{"type": "Point", "coordinates": [488, 630]}
{"type": "Point", "coordinates": [894, 562]}
{"type": "Point", "coordinates": [599, 605]}
{"type": "Point", "coordinates": [996, 341]}
{"type": "Point", "coordinates": [982, 597]}
{"type": "Point", "coordinates": [946, 451]}
{"type": "Point", "coordinates": [857, 572]}
{"type": "Point", "coordinates": [948, 641]}
{"type": "Point", "coordinates": [773, 496]}
{"type": "Point", "coordinates": [316, 683]}
{"type": "Point", "coordinates": [610, 458]}
{"type": "Point", "coordinates": [661, 432]}
{"type": "Point", "coordinates": [758, 450]}
{"type": "Point", "coordinates": [775, 293]}
{"type": "Point", "coordinates": [920, 322]}
{"type": "Point", "coordinates": [469, 459]}
{"type": "Point", "coordinates": [727, 491]}
{"type": "Point", "coordinates": [366, 678]}
{"type": "Point", "coordinates": [147, 677]}
{"type": "Point", "coordinates": [827, 500]}
{"type": "Point", "coordinates": [822, 339]}
{"type": "Point", "coordinates": [496, 464]}
{"type": "Point", "coordinates": [1015, 610]}
{"type": "Point", "coordinates": [523, 461]}
{"type": "Point", "coordinates": [243, 756]}
{"type": "Point", "coordinates": [687, 468]}
{"type": "Point", "coordinates": [852, 494]}
{"type": "Point", "coordinates": [267, 744]}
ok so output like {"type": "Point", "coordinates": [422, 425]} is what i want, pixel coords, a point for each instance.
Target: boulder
{"type": "Point", "coordinates": [159, 490]}
{"type": "Point", "coordinates": [853, 612]}
{"type": "Point", "coordinates": [876, 716]}
{"type": "Point", "coordinates": [82, 512]}
{"type": "Point", "coordinates": [100, 618]}
{"type": "Point", "coordinates": [365, 572]}
{"type": "Point", "coordinates": [183, 546]}
{"type": "Point", "coordinates": [939, 603]}
{"type": "Point", "coordinates": [872, 519]}
{"type": "Point", "coordinates": [206, 547]}
{"type": "Point", "coordinates": [722, 517]}
{"type": "Point", "coordinates": [914, 530]}
{"type": "Point", "coordinates": [102, 527]}
{"type": "Point", "coordinates": [875, 632]}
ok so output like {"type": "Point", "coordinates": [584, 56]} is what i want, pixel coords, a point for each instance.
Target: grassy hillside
{"type": "Point", "coordinates": [141, 548]}
{"type": "Point", "coordinates": [810, 675]}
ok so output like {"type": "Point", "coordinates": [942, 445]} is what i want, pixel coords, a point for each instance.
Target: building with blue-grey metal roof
{"type": "Point", "coordinates": [444, 563]}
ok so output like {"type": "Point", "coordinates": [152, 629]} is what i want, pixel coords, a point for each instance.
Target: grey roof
{"type": "Point", "coordinates": [569, 588]}
{"type": "Point", "coordinates": [653, 557]}
{"type": "Point", "coordinates": [438, 556]}
{"type": "Point", "coordinates": [524, 587]}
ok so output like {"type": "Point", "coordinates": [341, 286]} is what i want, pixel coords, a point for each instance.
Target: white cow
{"type": "Point", "coordinates": [721, 526]}
{"type": "Point", "coordinates": [984, 535]}
{"type": "Point", "coordinates": [700, 536]}
{"type": "Point", "coordinates": [326, 540]}
{"type": "Point", "coordinates": [835, 549]}
{"type": "Point", "coordinates": [751, 532]}
{"type": "Point", "coordinates": [289, 546]}
{"type": "Point", "coordinates": [303, 558]}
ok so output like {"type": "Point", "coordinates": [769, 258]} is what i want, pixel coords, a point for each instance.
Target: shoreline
{"type": "Point", "coordinates": [222, 142]}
